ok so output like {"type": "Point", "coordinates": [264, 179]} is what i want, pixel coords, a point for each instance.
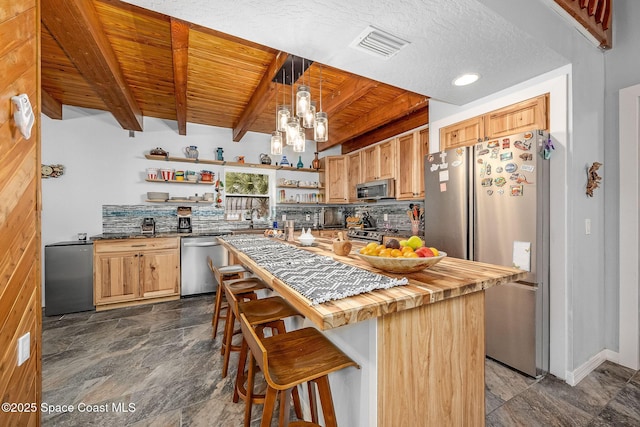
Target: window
{"type": "Point", "coordinates": [248, 192]}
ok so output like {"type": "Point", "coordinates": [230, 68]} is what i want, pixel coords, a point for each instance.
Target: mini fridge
{"type": "Point", "coordinates": [68, 277]}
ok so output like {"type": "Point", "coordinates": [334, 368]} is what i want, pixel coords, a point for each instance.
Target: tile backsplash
{"type": "Point", "coordinates": [206, 218]}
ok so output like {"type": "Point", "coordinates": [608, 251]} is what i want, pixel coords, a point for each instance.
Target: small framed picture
{"type": "Point", "coordinates": [516, 190]}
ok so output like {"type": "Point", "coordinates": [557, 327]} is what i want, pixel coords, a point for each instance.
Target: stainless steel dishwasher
{"type": "Point", "coordinates": [196, 276]}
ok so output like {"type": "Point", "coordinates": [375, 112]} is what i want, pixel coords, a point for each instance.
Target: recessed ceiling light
{"type": "Point", "coordinates": [466, 79]}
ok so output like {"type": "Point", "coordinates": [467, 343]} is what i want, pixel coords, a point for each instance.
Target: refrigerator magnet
{"type": "Point", "coordinates": [488, 170]}
{"type": "Point", "coordinates": [459, 152]}
{"type": "Point", "coordinates": [443, 155]}
{"type": "Point", "coordinates": [525, 146]}
{"type": "Point", "coordinates": [494, 153]}
{"type": "Point", "coordinates": [489, 192]}
{"type": "Point", "coordinates": [483, 152]}
{"type": "Point", "coordinates": [499, 181]}
{"type": "Point", "coordinates": [510, 167]}
{"type": "Point", "coordinates": [434, 167]}
{"type": "Point", "coordinates": [506, 144]}
{"type": "Point", "coordinates": [516, 190]}
{"type": "Point", "coordinates": [486, 182]}
{"type": "Point", "coordinates": [444, 176]}
{"type": "Point", "coordinates": [527, 157]}
{"type": "Point", "coordinates": [506, 156]}
{"type": "Point", "coordinates": [478, 147]}
{"type": "Point", "coordinates": [522, 255]}
{"type": "Point", "coordinates": [443, 187]}
{"type": "Point", "coordinates": [456, 163]}
{"type": "Point", "coordinates": [499, 169]}
{"type": "Point", "coordinates": [430, 158]}
{"type": "Point", "coordinates": [480, 161]}
{"type": "Point", "coordinates": [501, 191]}
{"type": "Point", "coordinates": [493, 144]}
{"type": "Point", "coordinates": [527, 168]}
{"type": "Point", "coordinates": [528, 135]}
{"type": "Point", "coordinates": [514, 176]}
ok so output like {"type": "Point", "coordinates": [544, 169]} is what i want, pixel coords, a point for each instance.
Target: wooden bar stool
{"type": "Point", "coordinates": [240, 289]}
{"type": "Point", "coordinates": [288, 360]}
{"type": "Point", "coordinates": [227, 272]}
{"type": "Point", "coordinates": [262, 313]}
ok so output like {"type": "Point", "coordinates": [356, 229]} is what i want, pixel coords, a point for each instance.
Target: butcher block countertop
{"type": "Point", "coordinates": [450, 278]}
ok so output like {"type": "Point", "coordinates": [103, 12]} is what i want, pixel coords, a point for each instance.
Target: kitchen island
{"type": "Point", "coordinates": [420, 346]}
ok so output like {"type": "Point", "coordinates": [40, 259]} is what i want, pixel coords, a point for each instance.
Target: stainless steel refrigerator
{"type": "Point", "coordinates": [490, 203]}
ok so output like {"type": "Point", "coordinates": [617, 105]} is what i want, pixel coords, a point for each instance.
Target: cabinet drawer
{"type": "Point", "coordinates": [148, 243]}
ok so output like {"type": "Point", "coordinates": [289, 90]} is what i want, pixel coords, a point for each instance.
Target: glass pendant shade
{"type": "Point", "coordinates": [321, 129]}
{"type": "Point", "coordinates": [293, 130]}
{"type": "Point", "coordinates": [309, 119]}
{"type": "Point", "coordinates": [283, 118]}
{"type": "Point", "coordinates": [298, 145]}
{"type": "Point", "coordinates": [276, 143]}
{"type": "Point", "coordinates": [303, 100]}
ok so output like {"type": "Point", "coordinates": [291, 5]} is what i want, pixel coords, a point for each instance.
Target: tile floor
{"type": "Point", "coordinates": [160, 359]}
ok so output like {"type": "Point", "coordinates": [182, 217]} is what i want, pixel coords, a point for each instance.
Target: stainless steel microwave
{"type": "Point", "coordinates": [381, 189]}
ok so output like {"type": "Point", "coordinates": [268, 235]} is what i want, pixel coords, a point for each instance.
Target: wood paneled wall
{"type": "Point", "coordinates": [20, 287]}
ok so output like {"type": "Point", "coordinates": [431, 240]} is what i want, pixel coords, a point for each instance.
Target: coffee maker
{"type": "Point", "coordinates": [184, 219]}
{"type": "Point", "coordinates": [148, 226]}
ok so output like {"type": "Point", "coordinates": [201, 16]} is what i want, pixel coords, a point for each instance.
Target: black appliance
{"type": "Point", "coordinates": [68, 277]}
{"type": "Point", "coordinates": [184, 219]}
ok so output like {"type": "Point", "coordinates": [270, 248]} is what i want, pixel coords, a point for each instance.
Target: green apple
{"type": "Point", "coordinates": [414, 242]}
{"type": "Point", "coordinates": [403, 243]}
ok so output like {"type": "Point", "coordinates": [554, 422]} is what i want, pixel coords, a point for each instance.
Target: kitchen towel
{"type": "Point", "coordinates": [316, 277]}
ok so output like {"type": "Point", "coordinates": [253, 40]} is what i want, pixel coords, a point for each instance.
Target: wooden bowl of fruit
{"type": "Point", "coordinates": [401, 257]}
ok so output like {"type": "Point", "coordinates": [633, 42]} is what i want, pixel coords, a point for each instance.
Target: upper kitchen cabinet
{"type": "Point", "coordinates": [462, 134]}
{"type": "Point", "coordinates": [354, 174]}
{"type": "Point", "coordinates": [521, 117]}
{"type": "Point", "coordinates": [378, 161]}
{"type": "Point", "coordinates": [335, 172]}
{"type": "Point", "coordinates": [411, 150]}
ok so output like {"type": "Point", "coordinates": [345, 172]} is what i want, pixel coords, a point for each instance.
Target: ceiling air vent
{"type": "Point", "coordinates": [379, 43]}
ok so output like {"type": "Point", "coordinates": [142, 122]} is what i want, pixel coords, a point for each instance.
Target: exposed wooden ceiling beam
{"type": "Point", "coordinates": [51, 107]}
{"type": "Point", "coordinates": [76, 27]}
{"type": "Point", "coordinates": [351, 90]}
{"type": "Point", "coordinates": [411, 121]}
{"type": "Point", "coordinates": [262, 96]}
{"type": "Point", "coordinates": [399, 107]}
{"type": "Point", "coordinates": [180, 51]}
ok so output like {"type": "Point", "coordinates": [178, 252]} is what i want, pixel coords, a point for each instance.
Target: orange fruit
{"type": "Point", "coordinates": [396, 253]}
{"type": "Point", "coordinates": [410, 255]}
{"type": "Point", "coordinates": [385, 253]}
{"type": "Point", "coordinates": [371, 245]}
{"type": "Point", "coordinates": [406, 249]}
{"type": "Point", "coordinates": [363, 250]}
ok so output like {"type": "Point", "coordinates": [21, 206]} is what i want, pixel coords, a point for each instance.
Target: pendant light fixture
{"type": "Point", "coordinates": [276, 136]}
{"type": "Point", "coordinates": [321, 128]}
{"type": "Point", "coordinates": [300, 142]}
{"type": "Point", "coordinates": [303, 97]}
{"type": "Point", "coordinates": [293, 124]}
{"type": "Point", "coordinates": [283, 113]}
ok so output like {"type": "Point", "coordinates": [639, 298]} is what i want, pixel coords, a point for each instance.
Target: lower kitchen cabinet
{"type": "Point", "coordinates": [135, 271]}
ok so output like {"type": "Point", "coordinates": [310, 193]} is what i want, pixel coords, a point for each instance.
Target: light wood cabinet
{"type": "Point", "coordinates": [462, 134]}
{"type": "Point", "coordinates": [354, 175]}
{"type": "Point", "coordinates": [335, 179]}
{"type": "Point", "coordinates": [411, 150]}
{"type": "Point", "coordinates": [136, 271]}
{"type": "Point", "coordinates": [521, 117]}
{"type": "Point", "coordinates": [378, 161]}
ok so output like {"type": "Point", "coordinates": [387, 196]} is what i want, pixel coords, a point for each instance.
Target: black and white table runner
{"type": "Point", "coordinates": [318, 278]}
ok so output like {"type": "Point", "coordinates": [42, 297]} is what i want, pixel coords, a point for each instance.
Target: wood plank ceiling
{"type": "Point", "coordinates": [112, 56]}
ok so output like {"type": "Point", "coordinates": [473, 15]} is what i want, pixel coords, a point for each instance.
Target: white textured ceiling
{"type": "Point", "coordinates": [448, 38]}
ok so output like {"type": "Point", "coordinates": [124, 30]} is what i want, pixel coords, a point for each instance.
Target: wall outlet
{"type": "Point", "coordinates": [386, 217]}
{"type": "Point", "coordinates": [284, 217]}
{"type": "Point", "coordinates": [24, 348]}
{"type": "Point", "coordinates": [308, 217]}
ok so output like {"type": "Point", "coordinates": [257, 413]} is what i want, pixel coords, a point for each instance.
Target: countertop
{"type": "Point", "coordinates": [450, 278]}
{"type": "Point", "coordinates": [117, 236]}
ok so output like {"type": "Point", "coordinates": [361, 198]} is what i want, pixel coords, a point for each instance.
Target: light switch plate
{"type": "Point", "coordinates": [24, 348]}
{"type": "Point", "coordinates": [587, 226]}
